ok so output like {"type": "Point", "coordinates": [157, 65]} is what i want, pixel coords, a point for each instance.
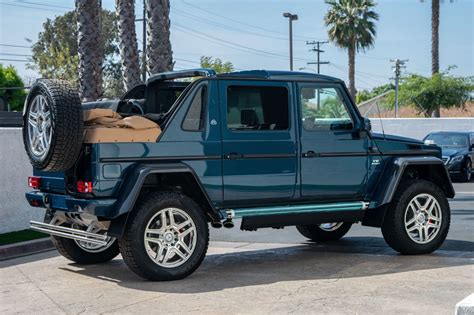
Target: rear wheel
{"type": "Point", "coordinates": [324, 232]}
{"type": "Point", "coordinates": [86, 253]}
{"type": "Point", "coordinates": [166, 237]}
{"type": "Point", "coordinates": [417, 221]}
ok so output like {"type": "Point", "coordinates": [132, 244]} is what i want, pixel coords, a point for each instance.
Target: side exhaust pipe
{"type": "Point", "coordinates": [228, 224]}
{"type": "Point", "coordinates": [71, 233]}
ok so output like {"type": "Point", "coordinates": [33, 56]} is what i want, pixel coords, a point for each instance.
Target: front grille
{"type": "Point", "coordinates": [445, 159]}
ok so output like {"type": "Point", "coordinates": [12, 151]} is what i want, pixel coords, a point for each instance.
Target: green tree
{"type": "Point", "coordinates": [216, 64]}
{"type": "Point", "coordinates": [435, 8]}
{"type": "Point", "coordinates": [158, 45]}
{"type": "Point", "coordinates": [365, 95]}
{"type": "Point", "coordinates": [351, 26]}
{"type": "Point", "coordinates": [439, 91]}
{"type": "Point", "coordinates": [9, 78]}
{"type": "Point", "coordinates": [125, 10]}
{"type": "Point", "coordinates": [55, 54]}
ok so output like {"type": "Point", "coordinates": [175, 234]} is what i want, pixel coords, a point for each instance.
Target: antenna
{"type": "Point", "coordinates": [380, 117]}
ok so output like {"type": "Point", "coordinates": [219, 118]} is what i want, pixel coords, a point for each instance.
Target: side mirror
{"type": "Point", "coordinates": [430, 142]}
{"type": "Point", "coordinates": [367, 125]}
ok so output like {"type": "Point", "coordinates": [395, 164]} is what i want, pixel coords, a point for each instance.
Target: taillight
{"type": "Point", "coordinates": [34, 182]}
{"type": "Point", "coordinates": [84, 187]}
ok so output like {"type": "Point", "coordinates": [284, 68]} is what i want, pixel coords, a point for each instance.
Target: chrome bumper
{"type": "Point", "coordinates": [71, 233]}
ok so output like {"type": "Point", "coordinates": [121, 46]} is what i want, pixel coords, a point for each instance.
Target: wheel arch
{"type": "Point", "coordinates": [401, 168]}
{"type": "Point", "coordinates": [144, 178]}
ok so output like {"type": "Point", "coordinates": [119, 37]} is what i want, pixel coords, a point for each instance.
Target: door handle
{"type": "Point", "coordinates": [309, 154]}
{"type": "Point", "coordinates": [233, 156]}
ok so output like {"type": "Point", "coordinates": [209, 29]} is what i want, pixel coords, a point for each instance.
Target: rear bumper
{"type": "Point", "coordinates": [98, 207]}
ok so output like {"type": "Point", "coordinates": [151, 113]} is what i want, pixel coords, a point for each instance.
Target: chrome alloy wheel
{"type": "Point", "coordinates": [423, 218]}
{"type": "Point", "coordinates": [170, 237]}
{"type": "Point", "coordinates": [94, 248]}
{"type": "Point", "coordinates": [40, 129]}
{"type": "Point", "coordinates": [328, 227]}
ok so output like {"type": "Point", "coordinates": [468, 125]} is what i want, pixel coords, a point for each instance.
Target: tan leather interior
{"type": "Point", "coordinates": [105, 125]}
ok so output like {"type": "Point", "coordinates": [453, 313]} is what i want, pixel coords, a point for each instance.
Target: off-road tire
{"type": "Point", "coordinates": [316, 234]}
{"type": "Point", "coordinates": [70, 250]}
{"type": "Point", "coordinates": [466, 172]}
{"type": "Point", "coordinates": [393, 227]}
{"type": "Point", "coordinates": [67, 125]}
{"type": "Point", "coordinates": [132, 244]}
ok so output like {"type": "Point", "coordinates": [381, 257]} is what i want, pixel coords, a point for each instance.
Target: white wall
{"type": "Point", "coordinates": [15, 213]}
{"type": "Point", "coordinates": [418, 128]}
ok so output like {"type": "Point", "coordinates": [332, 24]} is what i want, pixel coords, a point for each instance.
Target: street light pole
{"type": "Point", "coordinates": [291, 18]}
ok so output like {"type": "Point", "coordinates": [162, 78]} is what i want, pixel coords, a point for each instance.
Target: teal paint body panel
{"type": "Point", "coordinates": [267, 162]}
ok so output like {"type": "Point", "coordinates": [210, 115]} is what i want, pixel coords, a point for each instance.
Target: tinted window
{"type": "Point", "coordinates": [324, 109]}
{"type": "Point", "coordinates": [252, 108]}
{"type": "Point", "coordinates": [447, 140]}
{"type": "Point", "coordinates": [194, 120]}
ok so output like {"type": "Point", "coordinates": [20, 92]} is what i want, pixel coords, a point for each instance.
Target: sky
{"type": "Point", "coordinates": [253, 34]}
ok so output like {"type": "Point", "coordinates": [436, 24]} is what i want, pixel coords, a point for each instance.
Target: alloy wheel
{"type": "Point", "coordinates": [423, 218]}
{"type": "Point", "coordinates": [170, 237]}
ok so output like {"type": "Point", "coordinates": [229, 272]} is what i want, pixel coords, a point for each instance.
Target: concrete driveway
{"type": "Point", "coordinates": [257, 272]}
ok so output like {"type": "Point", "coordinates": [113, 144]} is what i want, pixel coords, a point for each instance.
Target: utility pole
{"type": "Point", "coordinates": [399, 64]}
{"type": "Point", "coordinates": [291, 18]}
{"type": "Point", "coordinates": [317, 49]}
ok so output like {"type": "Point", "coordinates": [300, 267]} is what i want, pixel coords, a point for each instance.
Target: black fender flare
{"type": "Point", "coordinates": [435, 170]}
{"type": "Point", "coordinates": [133, 184]}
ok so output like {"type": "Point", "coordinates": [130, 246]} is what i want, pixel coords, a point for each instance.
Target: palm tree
{"type": "Point", "coordinates": [89, 49]}
{"type": "Point", "coordinates": [158, 49]}
{"type": "Point", "coordinates": [351, 26]}
{"type": "Point", "coordinates": [125, 10]}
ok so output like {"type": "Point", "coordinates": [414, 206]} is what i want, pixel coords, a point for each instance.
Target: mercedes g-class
{"type": "Point", "coordinates": [273, 148]}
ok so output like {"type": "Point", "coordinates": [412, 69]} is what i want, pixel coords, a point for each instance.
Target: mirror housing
{"type": "Point", "coordinates": [430, 142]}
{"type": "Point", "coordinates": [367, 125]}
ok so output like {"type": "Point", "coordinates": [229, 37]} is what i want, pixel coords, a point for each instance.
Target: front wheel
{"type": "Point", "coordinates": [324, 232]}
{"type": "Point", "coordinates": [417, 221]}
{"type": "Point", "coordinates": [166, 237]}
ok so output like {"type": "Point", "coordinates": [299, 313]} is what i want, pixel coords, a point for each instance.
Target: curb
{"type": "Point", "coordinates": [466, 306]}
{"type": "Point", "coordinates": [25, 248]}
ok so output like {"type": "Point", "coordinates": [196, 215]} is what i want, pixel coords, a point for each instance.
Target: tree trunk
{"type": "Point", "coordinates": [352, 89]}
{"type": "Point", "coordinates": [89, 49]}
{"type": "Point", "coordinates": [128, 47]}
{"type": "Point", "coordinates": [158, 49]}
{"type": "Point", "coordinates": [435, 44]}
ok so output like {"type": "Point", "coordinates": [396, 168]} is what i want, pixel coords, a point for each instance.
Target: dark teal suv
{"type": "Point", "coordinates": [273, 148]}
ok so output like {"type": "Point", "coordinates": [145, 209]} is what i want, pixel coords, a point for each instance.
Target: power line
{"type": "Point", "coordinates": [18, 55]}
{"type": "Point", "coordinates": [227, 27]}
{"type": "Point", "coordinates": [30, 7]}
{"type": "Point", "coordinates": [45, 5]}
{"type": "Point", "coordinates": [17, 46]}
{"type": "Point", "coordinates": [17, 60]}
{"type": "Point", "coordinates": [238, 21]}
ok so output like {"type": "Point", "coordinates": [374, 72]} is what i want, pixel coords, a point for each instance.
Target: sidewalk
{"type": "Point", "coordinates": [245, 278]}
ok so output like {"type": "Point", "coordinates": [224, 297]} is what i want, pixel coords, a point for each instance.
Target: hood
{"type": "Point", "coordinates": [452, 151]}
{"type": "Point", "coordinates": [396, 145]}
{"type": "Point", "coordinates": [395, 138]}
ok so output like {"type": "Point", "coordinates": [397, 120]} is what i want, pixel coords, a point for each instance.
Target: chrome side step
{"type": "Point", "coordinates": [71, 233]}
{"type": "Point", "coordinates": [295, 209]}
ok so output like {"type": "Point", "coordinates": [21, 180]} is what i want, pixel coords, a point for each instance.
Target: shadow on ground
{"type": "Point", "coordinates": [292, 263]}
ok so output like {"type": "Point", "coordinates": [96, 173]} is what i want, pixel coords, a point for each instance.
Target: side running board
{"type": "Point", "coordinates": [75, 234]}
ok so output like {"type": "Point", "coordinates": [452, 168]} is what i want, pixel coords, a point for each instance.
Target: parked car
{"type": "Point", "coordinates": [274, 148]}
{"type": "Point", "coordinates": [457, 149]}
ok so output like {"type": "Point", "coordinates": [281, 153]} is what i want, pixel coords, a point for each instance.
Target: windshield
{"type": "Point", "coordinates": [448, 140]}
